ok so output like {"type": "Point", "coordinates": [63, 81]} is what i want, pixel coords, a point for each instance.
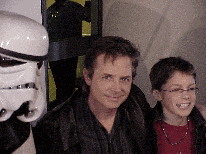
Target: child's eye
{"type": "Point", "coordinates": [192, 89]}
{"type": "Point", "coordinates": [175, 90]}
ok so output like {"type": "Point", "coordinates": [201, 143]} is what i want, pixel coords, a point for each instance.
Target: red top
{"type": "Point", "coordinates": [175, 134]}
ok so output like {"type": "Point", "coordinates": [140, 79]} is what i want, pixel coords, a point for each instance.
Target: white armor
{"type": "Point", "coordinates": [23, 48]}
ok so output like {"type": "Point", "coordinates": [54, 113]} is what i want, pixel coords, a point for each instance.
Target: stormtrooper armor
{"type": "Point", "coordinates": [23, 48]}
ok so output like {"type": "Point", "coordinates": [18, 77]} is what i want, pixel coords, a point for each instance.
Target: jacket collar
{"type": "Point", "coordinates": [158, 112]}
{"type": "Point", "coordinates": [197, 117]}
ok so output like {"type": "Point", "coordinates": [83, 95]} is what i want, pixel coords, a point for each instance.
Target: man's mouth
{"type": "Point", "coordinates": [23, 86]}
{"type": "Point", "coordinates": [114, 98]}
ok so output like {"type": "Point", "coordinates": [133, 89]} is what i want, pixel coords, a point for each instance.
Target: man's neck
{"type": "Point", "coordinates": [107, 120]}
{"type": "Point", "coordinates": [104, 116]}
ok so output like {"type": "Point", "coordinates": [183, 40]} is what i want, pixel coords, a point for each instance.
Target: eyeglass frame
{"type": "Point", "coordinates": [182, 90]}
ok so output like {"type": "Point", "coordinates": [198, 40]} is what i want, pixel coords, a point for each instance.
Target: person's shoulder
{"type": "Point", "coordinates": [198, 117]}
{"type": "Point", "coordinates": [64, 108]}
{"type": "Point", "coordinates": [50, 119]}
{"type": "Point", "coordinates": [138, 96]}
{"type": "Point", "coordinates": [202, 109]}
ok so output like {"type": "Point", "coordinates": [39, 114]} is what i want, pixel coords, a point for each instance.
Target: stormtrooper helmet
{"type": "Point", "coordinates": [23, 48]}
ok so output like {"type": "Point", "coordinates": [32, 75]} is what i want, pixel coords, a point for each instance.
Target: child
{"type": "Point", "coordinates": [177, 126]}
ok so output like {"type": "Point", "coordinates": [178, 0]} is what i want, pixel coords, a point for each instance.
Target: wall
{"type": "Point", "coordinates": [29, 8]}
{"type": "Point", "coordinates": [160, 29]}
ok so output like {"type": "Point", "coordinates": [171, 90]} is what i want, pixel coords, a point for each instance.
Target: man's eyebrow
{"type": "Point", "coordinates": [107, 74]}
{"type": "Point", "coordinates": [128, 76]}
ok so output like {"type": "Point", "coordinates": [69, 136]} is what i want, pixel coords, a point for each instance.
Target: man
{"type": "Point", "coordinates": [107, 115]}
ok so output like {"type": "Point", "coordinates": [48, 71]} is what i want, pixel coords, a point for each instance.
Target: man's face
{"type": "Point", "coordinates": [110, 84]}
{"type": "Point", "coordinates": [176, 104]}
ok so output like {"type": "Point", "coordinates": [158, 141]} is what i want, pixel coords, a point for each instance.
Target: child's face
{"type": "Point", "coordinates": [175, 102]}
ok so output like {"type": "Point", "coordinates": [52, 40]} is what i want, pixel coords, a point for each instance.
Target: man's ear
{"type": "Point", "coordinates": [156, 94]}
{"type": "Point", "coordinates": [86, 76]}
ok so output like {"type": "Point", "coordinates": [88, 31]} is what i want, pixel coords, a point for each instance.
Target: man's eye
{"type": "Point", "coordinates": [125, 79]}
{"type": "Point", "coordinates": [106, 77]}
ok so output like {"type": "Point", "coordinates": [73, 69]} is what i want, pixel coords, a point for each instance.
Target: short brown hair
{"type": "Point", "coordinates": [165, 68]}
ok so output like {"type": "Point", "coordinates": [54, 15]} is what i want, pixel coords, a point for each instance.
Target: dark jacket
{"type": "Point", "coordinates": [56, 132]}
{"type": "Point", "coordinates": [13, 134]}
{"type": "Point", "coordinates": [199, 130]}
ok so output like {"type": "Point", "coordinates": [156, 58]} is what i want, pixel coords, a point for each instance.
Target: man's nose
{"type": "Point", "coordinates": [116, 86]}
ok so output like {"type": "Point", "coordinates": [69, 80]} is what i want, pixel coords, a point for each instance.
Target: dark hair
{"type": "Point", "coordinates": [111, 46]}
{"type": "Point", "coordinates": [166, 67]}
